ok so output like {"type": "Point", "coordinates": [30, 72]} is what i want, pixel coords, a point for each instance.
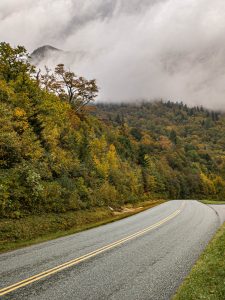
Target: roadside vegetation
{"type": "Point", "coordinates": [208, 201]}
{"type": "Point", "coordinates": [207, 278]}
{"type": "Point", "coordinates": [39, 228]}
{"type": "Point", "coordinates": [61, 154]}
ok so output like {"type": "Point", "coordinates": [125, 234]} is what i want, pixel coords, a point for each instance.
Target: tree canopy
{"type": "Point", "coordinates": [55, 159]}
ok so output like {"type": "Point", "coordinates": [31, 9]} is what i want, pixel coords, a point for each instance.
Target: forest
{"type": "Point", "coordinates": [60, 152]}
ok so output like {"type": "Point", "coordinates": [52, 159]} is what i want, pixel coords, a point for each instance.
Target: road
{"type": "Point", "coordinates": [145, 256]}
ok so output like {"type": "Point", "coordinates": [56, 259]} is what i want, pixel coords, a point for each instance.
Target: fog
{"type": "Point", "coordinates": [136, 49]}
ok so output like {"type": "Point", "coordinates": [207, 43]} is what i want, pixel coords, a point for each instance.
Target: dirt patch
{"type": "Point", "coordinates": [125, 210]}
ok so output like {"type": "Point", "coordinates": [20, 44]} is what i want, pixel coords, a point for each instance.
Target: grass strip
{"type": "Point", "coordinates": [207, 278]}
{"type": "Point", "coordinates": [212, 202]}
{"type": "Point", "coordinates": [17, 233]}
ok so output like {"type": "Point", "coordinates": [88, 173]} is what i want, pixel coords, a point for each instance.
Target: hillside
{"type": "Point", "coordinates": [192, 127]}
{"type": "Point", "coordinates": [56, 159]}
{"type": "Point", "coordinates": [189, 142]}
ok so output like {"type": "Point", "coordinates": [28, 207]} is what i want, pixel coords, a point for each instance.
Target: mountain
{"type": "Point", "coordinates": [50, 56]}
{"type": "Point", "coordinates": [44, 52]}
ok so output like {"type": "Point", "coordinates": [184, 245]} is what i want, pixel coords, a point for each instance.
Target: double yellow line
{"type": "Point", "coordinates": [78, 260]}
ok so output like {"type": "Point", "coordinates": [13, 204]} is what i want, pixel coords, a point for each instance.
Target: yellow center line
{"type": "Point", "coordinates": [75, 261]}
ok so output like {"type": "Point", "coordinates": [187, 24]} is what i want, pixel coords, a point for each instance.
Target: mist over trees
{"type": "Point", "coordinates": [56, 156]}
{"type": "Point", "coordinates": [137, 49]}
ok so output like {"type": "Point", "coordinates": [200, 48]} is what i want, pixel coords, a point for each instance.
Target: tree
{"type": "Point", "coordinates": [14, 62]}
{"type": "Point", "coordinates": [78, 91]}
{"type": "Point", "coordinates": [173, 136]}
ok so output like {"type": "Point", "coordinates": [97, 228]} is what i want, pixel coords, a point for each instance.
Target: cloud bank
{"type": "Point", "coordinates": [136, 49]}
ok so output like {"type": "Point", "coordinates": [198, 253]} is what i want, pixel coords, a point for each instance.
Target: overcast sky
{"type": "Point", "coordinates": [136, 49]}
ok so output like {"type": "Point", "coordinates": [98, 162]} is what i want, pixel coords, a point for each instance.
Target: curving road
{"type": "Point", "coordinates": [145, 256]}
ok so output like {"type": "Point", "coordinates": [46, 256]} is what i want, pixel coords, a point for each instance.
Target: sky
{"type": "Point", "coordinates": [136, 49]}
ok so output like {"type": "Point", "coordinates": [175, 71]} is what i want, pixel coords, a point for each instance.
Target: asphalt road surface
{"type": "Point", "coordinates": [145, 256]}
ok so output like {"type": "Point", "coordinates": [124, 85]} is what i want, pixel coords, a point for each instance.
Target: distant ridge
{"type": "Point", "coordinates": [51, 56]}
{"type": "Point", "coordinates": [43, 52]}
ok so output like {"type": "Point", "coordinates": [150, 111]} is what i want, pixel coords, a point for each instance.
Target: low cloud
{"type": "Point", "coordinates": [136, 49]}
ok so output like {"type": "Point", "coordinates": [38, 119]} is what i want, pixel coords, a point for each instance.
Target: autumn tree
{"type": "Point", "coordinates": [14, 62]}
{"type": "Point", "coordinates": [78, 91]}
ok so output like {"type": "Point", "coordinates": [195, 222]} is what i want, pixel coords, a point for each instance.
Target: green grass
{"type": "Point", "coordinates": [17, 233]}
{"type": "Point", "coordinates": [212, 202]}
{"type": "Point", "coordinates": [207, 278]}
